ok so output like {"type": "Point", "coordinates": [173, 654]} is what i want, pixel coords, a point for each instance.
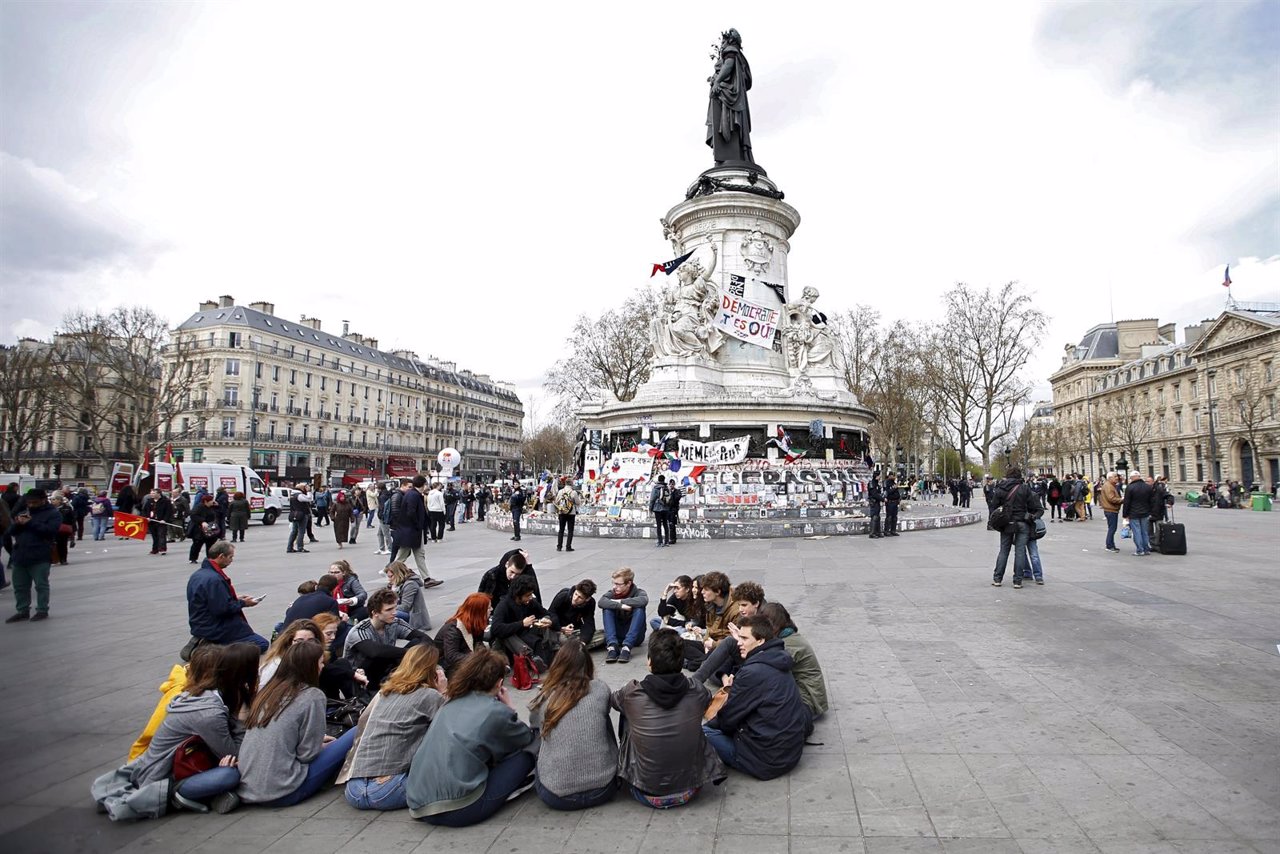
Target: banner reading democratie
{"type": "Point", "coordinates": [746, 320]}
{"type": "Point", "coordinates": [718, 453]}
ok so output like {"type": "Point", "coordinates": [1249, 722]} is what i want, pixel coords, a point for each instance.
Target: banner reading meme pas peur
{"type": "Point", "coordinates": [746, 320]}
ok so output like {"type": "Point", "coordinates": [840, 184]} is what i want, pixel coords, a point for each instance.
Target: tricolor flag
{"type": "Point", "coordinates": [129, 525]}
{"type": "Point", "coordinates": [670, 266]}
{"type": "Point", "coordinates": [1226, 277]}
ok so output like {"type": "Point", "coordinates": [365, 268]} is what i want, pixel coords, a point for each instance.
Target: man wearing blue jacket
{"type": "Point", "coordinates": [32, 533]}
{"type": "Point", "coordinates": [214, 611]}
{"type": "Point", "coordinates": [762, 726]}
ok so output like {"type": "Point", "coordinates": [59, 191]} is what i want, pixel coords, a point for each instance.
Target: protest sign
{"type": "Point", "coordinates": [717, 453]}
{"type": "Point", "coordinates": [746, 320]}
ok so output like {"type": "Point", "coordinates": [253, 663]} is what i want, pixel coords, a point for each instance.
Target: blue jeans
{"type": "Point", "coordinates": [635, 628]}
{"type": "Point", "coordinates": [205, 785]}
{"type": "Point", "coordinates": [578, 800]}
{"type": "Point", "coordinates": [320, 772]}
{"type": "Point", "coordinates": [1012, 538]}
{"type": "Point", "coordinates": [724, 746]}
{"type": "Point", "coordinates": [1033, 557]}
{"type": "Point", "coordinates": [1140, 526]}
{"type": "Point", "coordinates": [366, 793]}
{"type": "Point", "coordinates": [504, 778]}
{"type": "Point", "coordinates": [1113, 518]}
{"type": "Point", "coordinates": [297, 535]}
{"type": "Point", "coordinates": [101, 524]}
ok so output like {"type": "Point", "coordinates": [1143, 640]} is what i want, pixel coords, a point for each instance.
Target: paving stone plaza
{"type": "Point", "coordinates": [1129, 705]}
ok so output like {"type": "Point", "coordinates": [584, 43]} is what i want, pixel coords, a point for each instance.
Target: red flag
{"type": "Point", "coordinates": [145, 465]}
{"type": "Point", "coordinates": [168, 453]}
{"type": "Point", "coordinates": [696, 472]}
{"type": "Point", "coordinates": [129, 525]}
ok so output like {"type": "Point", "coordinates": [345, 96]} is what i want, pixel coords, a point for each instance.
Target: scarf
{"type": "Point", "coordinates": [231, 587]}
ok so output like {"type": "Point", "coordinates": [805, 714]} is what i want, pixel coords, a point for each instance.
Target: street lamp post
{"type": "Point", "coordinates": [1215, 471]}
{"type": "Point", "coordinates": [1088, 417]}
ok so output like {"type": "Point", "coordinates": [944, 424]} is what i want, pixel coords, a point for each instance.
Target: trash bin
{"type": "Point", "coordinates": [1193, 497]}
{"type": "Point", "coordinates": [1261, 501]}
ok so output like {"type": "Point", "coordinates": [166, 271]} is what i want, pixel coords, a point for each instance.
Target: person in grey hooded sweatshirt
{"type": "Point", "coordinates": [142, 789]}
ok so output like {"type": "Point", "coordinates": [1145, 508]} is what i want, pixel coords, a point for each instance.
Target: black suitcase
{"type": "Point", "coordinates": [1171, 538]}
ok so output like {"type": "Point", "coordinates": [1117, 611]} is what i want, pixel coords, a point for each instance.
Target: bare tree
{"type": "Point", "coordinates": [26, 400]}
{"type": "Point", "coordinates": [610, 354]}
{"type": "Point", "coordinates": [1254, 409]}
{"type": "Point", "coordinates": [551, 448]}
{"type": "Point", "coordinates": [125, 380]}
{"type": "Point", "coordinates": [856, 332]}
{"type": "Point", "coordinates": [1131, 422]}
{"type": "Point", "coordinates": [895, 390]}
{"type": "Point", "coordinates": [954, 380]}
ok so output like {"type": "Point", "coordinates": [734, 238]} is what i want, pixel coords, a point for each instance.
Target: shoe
{"type": "Point", "coordinates": [538, 664]}
{"type": "Point", "coordinates": [308, 551]}
{"type": "Point", "coordinates": [1017, 585]}
{"type": "Point", "coordinates": [1113, 549]}
{"type": "Point", "coordinates": [153, 553]}
{"type": "Point", "coordinates": [1040, 581]}
{"type": "Point", "coordinates": [559, 548]}
{"type": "Point", "coordinates": [224, 803]}
{"type": "Point", "coordinates": [514, 538]}
{"type": "Point", "coordinates": [625, 655]}
{"type": "Point", "coordinates": [893, 534]}
{"type": "Point", "coordinates": [610, 657]}
{"type": "Point", "coordinates": [186, 803]}
{"type": "Point", "coordinates": [39, 615]}
{"type": "Point", "coordinates": [192, 562]}
{"type": "Point", "coordinates": [286, 551]}
{"type": "Point", "coordinates": [569, 549]}
{"type": "Point", "coordinates": [997, 583]}
{"type": "Point", "coordinates": [19, 617]}
{"type": "Point", "coordinates": [432, 582]}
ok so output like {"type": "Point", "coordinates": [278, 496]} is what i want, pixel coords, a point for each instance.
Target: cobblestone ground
{"type": "Point", "coordinates": [1132, 704]}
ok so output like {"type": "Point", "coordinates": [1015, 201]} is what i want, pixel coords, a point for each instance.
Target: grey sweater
{"type": "Point", "coordinates": [392, 732]}
{"type": "Point", "coordinates": [274, 758]}
{"type": "Point", "coordinates": [205, 716]}
{"type": "Point", "coordinates": [581, 752]}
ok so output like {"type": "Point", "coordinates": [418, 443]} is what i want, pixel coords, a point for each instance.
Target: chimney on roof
{"type": "Point", "coordinates": [371, 343]}
{"type": "Point", "coordinates": [346, 327]}
{"type": "Point", "coordinates": [1168, 331]}
{"type": "Point", "coordinates": [208, 305]}
{"type": "Point", "coordinates": [225, 301]}
{"type": "Point", "coordinates": [264, 307]}
{"type": "Point", "coordinates": [310, 322]}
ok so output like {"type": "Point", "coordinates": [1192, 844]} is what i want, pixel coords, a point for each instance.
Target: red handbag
{"type": "Point", "coordinates": [522, 673]}
{"type": "Point", "coordinates": [192, 757]}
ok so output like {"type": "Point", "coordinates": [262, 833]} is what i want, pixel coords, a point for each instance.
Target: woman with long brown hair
{"type": "Point", "coordinates": [390, 730]}
{"type": "Point", "coordinates": [299, 631]}
{"type": "Point", "coordinates": [463, 633]}
{"type": "Point", "coordinates": [286, 757]}
{"type": "Point", "coordinates": [578, 759]}
{"type": "Point", "coordinates": [412, 605]}
{"type": "Point", "coordinates": [473, 758]}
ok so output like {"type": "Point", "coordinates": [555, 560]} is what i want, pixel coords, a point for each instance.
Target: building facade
{"type": "Point", "coordinates": [1131, 396]}
{"type": "Point", "coordinates": [298, 402]}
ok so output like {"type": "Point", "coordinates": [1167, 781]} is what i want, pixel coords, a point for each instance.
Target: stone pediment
{"type": "Point", "coordinates": [1229, 328]}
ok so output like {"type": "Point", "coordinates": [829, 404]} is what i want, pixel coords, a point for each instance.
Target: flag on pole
{"type": "Point", "coordinates": [129, 525]}
{"type": "Point", "coordinates": [1226, 277]}
{"type": "Point", "coordinates": [145, 465]}
{"type": "Point", "coordinates": [670, 266]}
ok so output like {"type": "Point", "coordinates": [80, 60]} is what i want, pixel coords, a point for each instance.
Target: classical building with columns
{"type": "Point", "coordinates": [1203, 406]}
{"type": "Point", "coordinates": [298, 402]}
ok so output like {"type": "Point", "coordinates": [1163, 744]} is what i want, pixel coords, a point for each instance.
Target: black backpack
{"type": "Point", "coordinates": [1002, 516]}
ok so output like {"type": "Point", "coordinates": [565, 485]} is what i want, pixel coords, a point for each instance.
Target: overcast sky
{"type": "Point", "coordinates": [462, 179]}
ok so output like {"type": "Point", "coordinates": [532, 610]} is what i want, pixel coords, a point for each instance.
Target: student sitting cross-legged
{"type": "Point", "coordinates": [521, 625]}
{"type": "Point", "coordinates": [391, 729]}
{"type": "Point", "coordinates": [623, 607]}
{"type": "Point", "coordinates": [664, 757]}
{"type": "Point", "coordinates": [578, 759]}
{"type": "Point", "coordinates": [286, 757]}
{"type": "Point", "coordinates": [761, 728]}
{"type": "Point", "coordinates": [474, 757]}
{"type": "Point", "coordinates": [463, 633]}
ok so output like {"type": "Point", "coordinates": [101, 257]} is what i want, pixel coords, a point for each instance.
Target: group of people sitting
{"type": "Point", "coordinates": [439, 732]}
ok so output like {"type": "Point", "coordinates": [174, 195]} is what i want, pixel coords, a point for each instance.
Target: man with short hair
{"type": "Point", "coordinates": [761, 728]}
{"type": "Point", "coordinates": [33, 527]}
{"type": "Point", "coordinates": [435, 513]}
{"type": "Point", "coordinates": [875, 497]}
{"type": "Point", "coordinates": [497, 579]}
{"type": "Point", "coordinates": [299, 518]}
{"type": "Point", "coordinates": [745, 601]}
{"type": "Point", "coordinates": [521, 626]}
{"type": "Point", "coordinates": [319, 601]}
{"type": "Point", "coordinates": [567, 501]}
{"type": "Point", "coordinates": [410, 529]}
{"type": "Point", "coordinates": [664, 757]}
{"type": "Point", "coordinates": [1013, 491]}
{"type": "Point", "coordinates": [1136, 510]}
{"type": "Point", "coordinates": [1110, 500]}
{"type": "Point", "coordinates": [516, 503]}
{"type": "Point", "coordinates": [383, 512]}
{"type": "Point", "coordinates": [451, 497]}
{"type": "Point", "coordinates": [371, 643]}
{"type": "Point", "coordinates": [623, 606]}
{"type": "Point", "coordinates": [658, 506]}
{"type": "Point", "coordinates": [575, 611]}
{"type": "Point", "coordinates": [892, 495]}
{"type": "Point", "coordinates": [215, 612]}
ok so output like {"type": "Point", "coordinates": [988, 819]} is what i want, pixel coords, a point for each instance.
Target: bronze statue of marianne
{"type": "Point", "coordinates": [728, 116]}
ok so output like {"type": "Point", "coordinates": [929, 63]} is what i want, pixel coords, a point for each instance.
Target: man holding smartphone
{"type": "Point", "coordinates": [32, 532]}
{"type": "Point", "coordinates": [214, 610]}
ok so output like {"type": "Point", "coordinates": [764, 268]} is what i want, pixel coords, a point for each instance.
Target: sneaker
{"type": "Point", "coordinates": [997, 584]}
{"type": "Point", "coordinates": [1040, 581]}
{"type": "Point", "coordinates": [224, 803]}
{"type": "Point", "coordinates": [39, 615]}
{"type": "Point", "coordinates": [1017, 585]}
{"type": "Point", "coordinates": [569, 549]}
{"type": "Point", "coordinates": [307, 551]}
{"type": "Point", "coordinates": [625, 655]}
{"type": "Point", "coordinates": [180, 802]}
{"type": "Point", "coordinates": [286, 551]}
{"type": "Point", "coordinates": [1113, 549]}
{"type": "Point", "coordinates": [19, 617]}
{"type": "Point", "coordinates": [610, 657]}
{"type": "Point", "coordinates": [432, 582]}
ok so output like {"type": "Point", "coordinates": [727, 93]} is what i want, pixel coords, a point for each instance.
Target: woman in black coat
{"type": "Point", "coordinates": [204, 527]}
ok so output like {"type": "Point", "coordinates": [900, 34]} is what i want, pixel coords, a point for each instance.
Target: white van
{"type": "Point", "coordinates": [262, 506]}
{"type": "Point", "coordinates": [24, 481]}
